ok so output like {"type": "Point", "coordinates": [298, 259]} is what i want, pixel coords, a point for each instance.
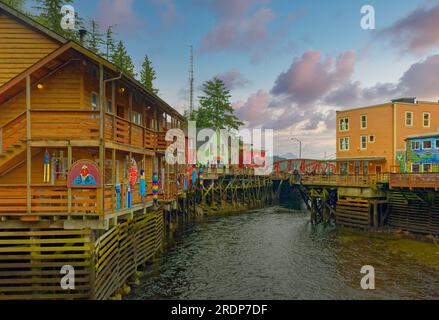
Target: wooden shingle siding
{"type": "Point", "coordinates": [20, 47]}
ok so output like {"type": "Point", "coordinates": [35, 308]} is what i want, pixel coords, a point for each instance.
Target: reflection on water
{"type": "Point", "coordinates": [274, 253]}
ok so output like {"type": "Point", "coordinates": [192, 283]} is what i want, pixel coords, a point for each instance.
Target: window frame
{"type": "Point", "coordinates": [423, 119]}
{"type": "Point", "coordinates": [427, 164]}
{"type": "Point", "coordinates": [416, 142]}
{"type": "Point", "coordinates": [431, 145]}
{"type": "Point", "coordinates": [361, 142]}
{"type": "Point", "coordinates": [361, 121]}
{"type": "Point", "coordinates": [346, 121]}
{"type": "Point", "coordinates": [411, 118]}
{"type": "Point", "coordinates": [344, 144]}
{"type": "Point", "coordinates": [94, 94]}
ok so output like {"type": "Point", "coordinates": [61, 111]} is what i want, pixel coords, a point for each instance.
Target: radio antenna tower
{"type": "Point", "coordinates": [191, 81]}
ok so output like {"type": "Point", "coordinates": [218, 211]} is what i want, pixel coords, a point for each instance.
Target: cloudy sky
{"type": "Point", "coordinates": [289, 63]}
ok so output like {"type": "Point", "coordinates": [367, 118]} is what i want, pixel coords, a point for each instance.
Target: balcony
{"type": "Point", "coordinates": [122, 131]}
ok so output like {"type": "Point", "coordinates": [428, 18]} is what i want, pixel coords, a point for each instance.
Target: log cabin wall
{"type": "Point", "coordinates": [20, 47]}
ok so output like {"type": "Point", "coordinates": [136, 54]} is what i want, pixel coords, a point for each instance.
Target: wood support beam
{"type": "Point", "coordinates": [28, 146]}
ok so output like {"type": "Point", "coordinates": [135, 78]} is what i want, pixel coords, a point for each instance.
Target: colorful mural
{"type": "Point", "coordinates": [84, 174]}
{"type": "Point", "coordinates": [422, 155]}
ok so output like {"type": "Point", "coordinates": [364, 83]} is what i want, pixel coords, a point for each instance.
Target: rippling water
{"type": "Point", "coordinates": [274, 253]}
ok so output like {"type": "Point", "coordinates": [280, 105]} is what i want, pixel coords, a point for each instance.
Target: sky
{"type": "Point", "coordinates": [290, 64]}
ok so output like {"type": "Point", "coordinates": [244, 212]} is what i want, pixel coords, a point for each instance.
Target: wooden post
{"type": "Point", "coordinates": [28, 147]}
{"type": "Point", "coordinates": [113, 179]}
{"type": "Point", "coordinates": [130, 116]}
{"type": "Point", "coordinates": [69, 190]}
{"type": "Point", "coordinates": [113, 107]}
{"type": "Point", "coordinates": [101, 195]}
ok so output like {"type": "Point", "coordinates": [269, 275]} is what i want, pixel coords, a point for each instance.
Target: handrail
{"type": "Point", "coordinates": [13, 119]}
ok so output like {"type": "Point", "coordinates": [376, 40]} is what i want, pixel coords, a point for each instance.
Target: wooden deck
{"type": "Point", "coordinates": [414, 180]}
{"type": "Point", "coordinates": [344, 180]}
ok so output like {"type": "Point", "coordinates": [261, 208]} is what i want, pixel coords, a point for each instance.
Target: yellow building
{"type": "Point", "coordinates": [371, 140]}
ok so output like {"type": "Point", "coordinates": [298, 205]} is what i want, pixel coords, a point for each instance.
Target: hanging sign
{"type": "Point", "coordinates": [84, 174]}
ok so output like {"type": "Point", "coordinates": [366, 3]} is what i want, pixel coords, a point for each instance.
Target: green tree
{"type": "Point", "coordinates": [148, 75]}
{"type": "Point", "coordinates": [49, 14]}
{"type": "Point", "coordinates": [122, 59]}
{"type": "Point", "coordinates": [16, 4]}
{"type": "Point", "coordinates": [110, 43]}
{"type": "Point", "coordinates": [95, 38]}
{"type": "Point", "coordinates": [215, 109]}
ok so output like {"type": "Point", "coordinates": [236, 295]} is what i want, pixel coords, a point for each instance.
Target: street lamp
{"type": "Point", "coordinates": [300, 143]}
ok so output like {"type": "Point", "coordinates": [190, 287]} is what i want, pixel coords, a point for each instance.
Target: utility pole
{"type": "Point", "coordinates": [191, 81]}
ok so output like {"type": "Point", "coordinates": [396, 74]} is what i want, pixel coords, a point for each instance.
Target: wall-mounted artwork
{"type": "Point", "coordinates": [84, 174]}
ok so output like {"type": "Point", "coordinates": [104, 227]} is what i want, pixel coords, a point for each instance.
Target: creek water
{"type": "Point", "coordinates": [275, 253]}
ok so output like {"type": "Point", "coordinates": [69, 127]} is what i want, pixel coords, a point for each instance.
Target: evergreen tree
{"type": "Point", "coordinates": [148, 75]}
{"type": "Point", "coordinates": [110, 43]}
{"type": "Point", "coordinates": [122, 60]}
{"type": "Point", "coordinates": [16, 4]}
{"type": "Point", "coordinates": [49, 14]}
{"type": "Point", "coordinates": [95, 38]}
{"type": "Point", "coordinates": [215, 109]}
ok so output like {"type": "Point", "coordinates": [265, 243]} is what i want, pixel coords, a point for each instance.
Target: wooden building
{"type": "Point", "coordinates": [370, 140]}
{"type": "Point", "coordinates": [75, 135]}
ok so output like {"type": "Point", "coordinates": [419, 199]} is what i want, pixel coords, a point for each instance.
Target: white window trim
{"type": "Point", "coordinates": [341, 144]}
{"type": "Point", "coordinates": [361, 121]}
{"type": "Point", "coordinates": [414, 142]}
{"type": "Point", "coordinates": [431, 147]}
{"type": "Point", "coordinates": [429, 119]}
{"type": "Point", "coordinates": [97, 101]}
{"type": "Point", "coordinates": [412, 119]}
{"type": "Point", "coordinates": [339, 124]}
{"type": "Point", "coordinates": [361, 142]}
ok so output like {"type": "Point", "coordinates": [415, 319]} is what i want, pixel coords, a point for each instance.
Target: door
{"type": "Point", "coordinates": [357, 168]}
{"type": "Point", "coordinates": [365, 168]}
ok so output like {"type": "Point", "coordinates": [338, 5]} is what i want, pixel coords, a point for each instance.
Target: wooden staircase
{"type": "Point", "coordinates": [13, 147]}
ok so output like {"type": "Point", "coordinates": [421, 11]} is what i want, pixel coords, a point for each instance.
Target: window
{"type": "Point", "coordinates": [364, 122]}
{"type": "Point", "coordinates": [415, 168]}
{"type": "Point", "coordinates": [416, 145]}
{"type": "Point", "coordinates": [344, 124]}
{"type": "Point", "coordinates": [371, 139]}
{"type": "Point", "coordinates": [426, 117]}
{"type": "Point", "coordinates": [344, 144]}
{"type": "Point", "coordinates": [137, 118]}
{"type": "Point", "coordinates": [363, 143]}
{"type": "Point", "coordinates": [409, 119]}
{"type": "Point", "coordinates": [437, 144]}
{"type": "Point", "coordinates": [426, 144]}
{"type": "Point", "coordinates": [109, 106]}
{"type": "Point", "coordinates": [94, 101]}
{"type": "Point", "coordinates": [426, 167]}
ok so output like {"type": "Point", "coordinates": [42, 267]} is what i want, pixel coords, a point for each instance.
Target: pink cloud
{"type": "Point", "coordinates": [310, 77]}
{"type": "Point", "coordinates": [120, 13]}
{"type": "Point", "coordinates": [417, 32]}
{"type": "Point", "coordinates": [233, 79]}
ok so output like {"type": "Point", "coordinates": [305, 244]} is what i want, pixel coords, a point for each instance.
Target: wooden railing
{"type": "Point", "coordinates": [64, 125]}
{"type": "Point", "coordinates": [13, 132]}
{"type": "Point", "coordinates": [344, 180]}
{"type": "Point", "coordinates": [122, 131]}
{"type": "Point", "coordinates": [414, 180]}
{"type": "Point", "coordinates": [119, 252]}
{"type": "Point", "coordinates": [49, 201]}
